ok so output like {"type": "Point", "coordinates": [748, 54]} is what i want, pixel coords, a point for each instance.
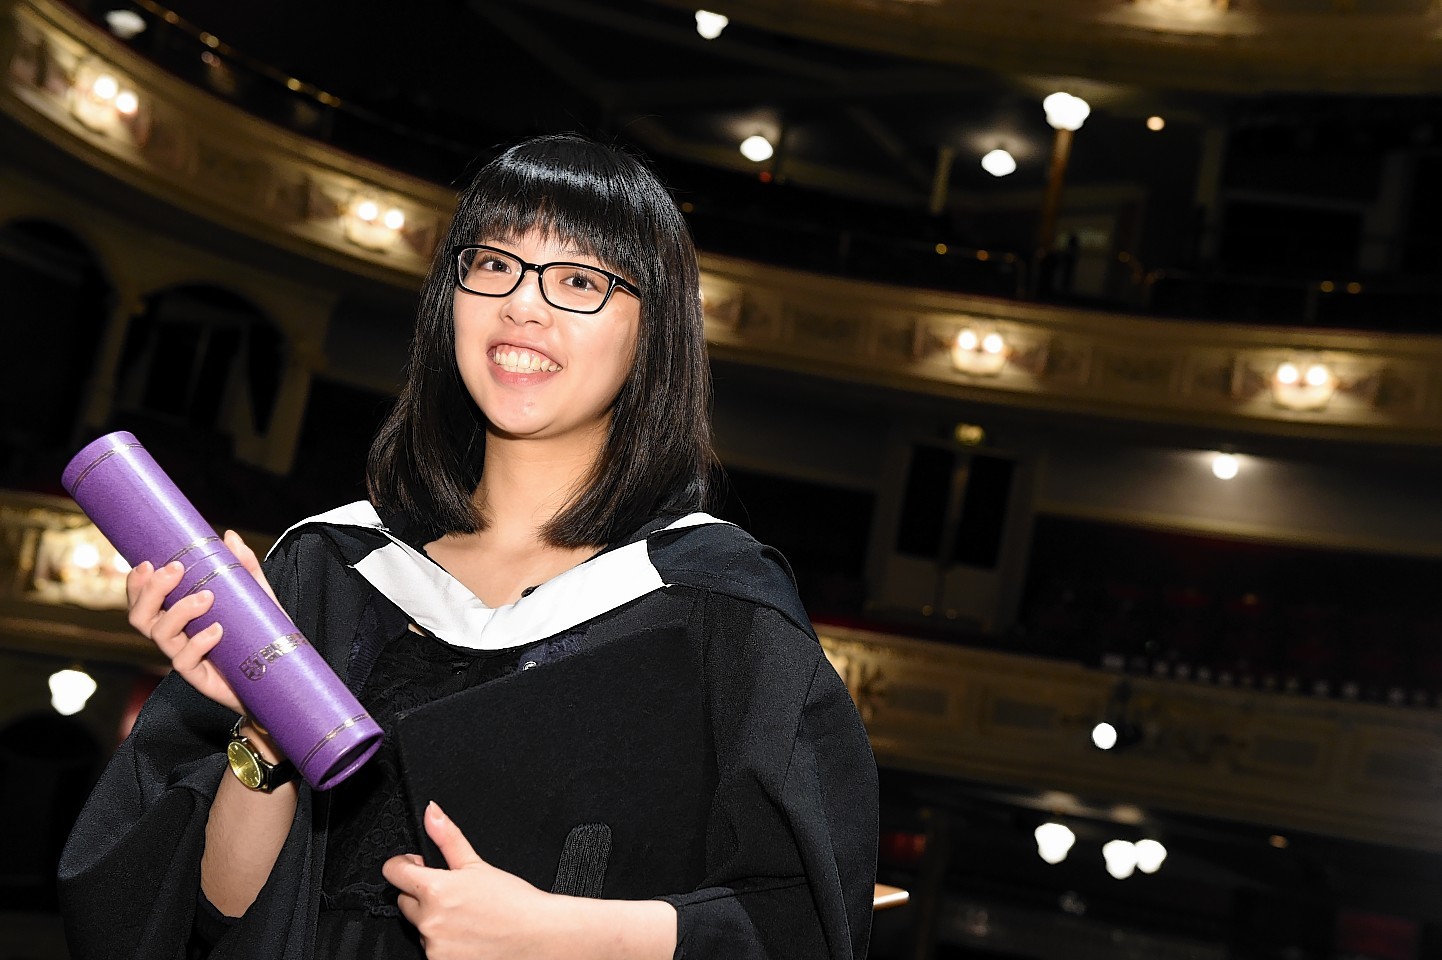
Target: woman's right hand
{"type": "Point", "coordinates": [146, 589]}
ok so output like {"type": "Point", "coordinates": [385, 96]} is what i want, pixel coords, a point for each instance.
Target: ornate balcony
{"type": "Point", "coordinates": [78, 88]}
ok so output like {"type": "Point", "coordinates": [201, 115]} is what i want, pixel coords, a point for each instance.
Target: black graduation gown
{"type": "Point", "coordinates": [781, 862]}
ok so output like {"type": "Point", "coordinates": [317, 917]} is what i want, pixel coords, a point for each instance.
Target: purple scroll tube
{"type": "Point", "coordinates": [284, 682]}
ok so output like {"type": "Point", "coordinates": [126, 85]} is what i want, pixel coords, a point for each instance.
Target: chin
{"type": "Point", "coordinates": [515, 431]}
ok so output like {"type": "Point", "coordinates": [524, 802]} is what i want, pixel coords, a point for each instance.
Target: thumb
{"type": "Point", "coordinates": [448, 838]}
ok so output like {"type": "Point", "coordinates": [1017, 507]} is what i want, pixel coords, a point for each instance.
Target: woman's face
{"type": "Point", "coordinates": [537, 371]}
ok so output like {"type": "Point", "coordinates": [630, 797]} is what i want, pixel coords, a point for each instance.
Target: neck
{"type": "Point", "coordinates": [527, 483]}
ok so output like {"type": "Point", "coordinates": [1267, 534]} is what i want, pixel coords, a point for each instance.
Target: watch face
{"type": "Point", "coordinates": [244, 764]}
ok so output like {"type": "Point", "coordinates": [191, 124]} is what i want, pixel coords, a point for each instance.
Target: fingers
{"type": "Point", "coordinates": [247, 559]}
{"type": "Point", "coordinates": [168, 628]}
{"type": "Point", "coordinates": [410, 908]}
{"type": "Point", "coordinates": [137, 578]}
{"type": "Point", "coordinates": [192, 652]}
{"type": "Point", "coordinates": [403, 873]}
{"type": "Point", "coordinates": [448, 837]}
{"type": "Point", "coordinates": [147, 588]}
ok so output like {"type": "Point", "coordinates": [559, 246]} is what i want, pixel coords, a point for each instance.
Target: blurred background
{"type": "Point", "coordinates": [1083, 356]}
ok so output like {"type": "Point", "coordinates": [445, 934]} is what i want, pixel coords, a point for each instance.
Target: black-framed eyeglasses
{"type": "Point", "coordinates": [578, 287]}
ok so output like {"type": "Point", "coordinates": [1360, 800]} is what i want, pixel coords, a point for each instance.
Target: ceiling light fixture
{"type": "Point", "coordinates": [756, 148]}
{"type": "Point", "coordinates": [1054, 841]}
{"type": "Point", "coordinates": [1155, 123]}
{"type": "Point", "coordinates": [125, 24]}
{"type": "Point", "coordinates": [709, 24]}
{"type": "Point", "coordinates": [69, 690]}
{"type": "Point", "coordinates": [1121, 858]}
{"type": "Point", "coordinates": [1150, 855]}
{"type": "Point", "coordinates": [1225, 466]}
{"type": "Point", "coordinates": [998, 163]}
{"type": "Point", "coordinates": [1117, 728]}
{"type": "Point", "coordinates": [1066, 112]}
{"type": "Point", "coordinates": [1104, 736]}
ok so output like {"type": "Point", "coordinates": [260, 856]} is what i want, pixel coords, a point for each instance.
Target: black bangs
{"type": "Point", "coordinates": [567, 190]}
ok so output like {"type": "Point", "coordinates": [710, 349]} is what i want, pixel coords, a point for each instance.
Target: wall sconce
{"type": "Point", "coordinates": [79, 566]}
{"type": "Point", "coordinates": [981, 353]}
{"type": "Point", "coordinates": [103, 102]}
{"type": "Point", "coordinates": [721, 305]}
{"type": "Point", "coordinates": [370, 226]}
{"type": "Point", "coordinates": [1303, 384]}
{"type": "Point", "coordinates": [1193, 9]}
{"type": "Point", "coordinates": [969, 434]}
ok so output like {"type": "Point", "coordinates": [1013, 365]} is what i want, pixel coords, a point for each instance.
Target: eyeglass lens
{"type": "Point", "coordinates": [565, 285]}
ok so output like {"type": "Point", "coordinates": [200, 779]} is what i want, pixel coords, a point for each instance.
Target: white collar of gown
{"type": "Point", "coordinates": [440, 603]}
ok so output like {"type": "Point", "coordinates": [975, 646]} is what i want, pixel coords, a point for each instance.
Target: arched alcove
{"type": "Point", "coordinates": [201, 362]}
{"type": "Point", "coordinates": [56, 296]}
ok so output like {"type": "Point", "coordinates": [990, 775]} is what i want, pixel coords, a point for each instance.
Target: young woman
{"type": "Point", "coordinates": [609, 724]}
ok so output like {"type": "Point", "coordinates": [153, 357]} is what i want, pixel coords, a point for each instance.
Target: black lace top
{"type": "Point", "coordinates": [369, 820]}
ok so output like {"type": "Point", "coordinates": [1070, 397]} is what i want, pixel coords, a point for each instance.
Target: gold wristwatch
{"type": "Point", "coordinates": [252, 769]}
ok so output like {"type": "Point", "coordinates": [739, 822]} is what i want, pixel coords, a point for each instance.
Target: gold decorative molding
{"type": "Point", "coordinates": [1278, 761]}
{"type": "Point", "coordinates": [39, 610]}
{"type": "Point", "coordinates": [1385, 387]}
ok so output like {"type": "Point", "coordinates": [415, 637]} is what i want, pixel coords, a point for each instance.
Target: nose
{"type": "Point", "coordinates": [526, 304]}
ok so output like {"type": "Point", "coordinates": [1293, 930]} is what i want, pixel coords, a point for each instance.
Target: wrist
{"type": "Point", "coordinates": [612, 929]}
{"type": "Point", "coordinates": [259, 737]}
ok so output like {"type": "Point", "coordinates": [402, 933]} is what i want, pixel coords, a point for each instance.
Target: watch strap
{"type": "Point", "coordinates": [271, 775]}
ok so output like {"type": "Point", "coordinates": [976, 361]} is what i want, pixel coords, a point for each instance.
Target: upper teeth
{"type": "Point", "coordinates": [522, 361]}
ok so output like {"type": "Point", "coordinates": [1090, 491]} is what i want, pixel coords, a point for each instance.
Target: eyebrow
{"type": "Point", "coordinates": [570, 254]}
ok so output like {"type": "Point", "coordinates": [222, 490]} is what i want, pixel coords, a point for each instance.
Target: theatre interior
{"type": "Point", "coordinates": [1084, 357]}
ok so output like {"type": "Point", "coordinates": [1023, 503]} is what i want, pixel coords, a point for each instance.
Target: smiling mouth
{"type": "Point", "coordinates": [522, 361]}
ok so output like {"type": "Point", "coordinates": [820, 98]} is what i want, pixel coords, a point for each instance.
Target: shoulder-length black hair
{"type": "Point", "coordinates": [657, 459]}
